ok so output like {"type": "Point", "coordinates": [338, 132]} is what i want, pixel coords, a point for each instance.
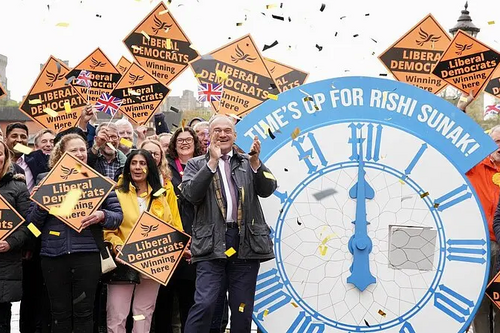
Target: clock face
{"type": "Point", "coordinates": [411, 258]}
{"type": "Point", "coordinates": [375, 226]}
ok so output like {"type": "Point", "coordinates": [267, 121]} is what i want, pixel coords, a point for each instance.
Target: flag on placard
{"type": "Point", "coordinates": [208, 92]}
{"type": "Point", "coordinates": [83, 79]}
{"type": "Point", "coordinates": [491, 111]}
{"type": "Point", "coordinates": [108, 104]}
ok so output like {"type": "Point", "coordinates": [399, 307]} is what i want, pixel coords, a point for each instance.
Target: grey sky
{"type": "Point", "coordinates": [30, 34]}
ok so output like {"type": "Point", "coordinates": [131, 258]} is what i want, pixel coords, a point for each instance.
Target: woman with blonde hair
{"type": "Point", "coordinates": [13, 189]}
{"type": "Point", "coordinates": [71, 263]}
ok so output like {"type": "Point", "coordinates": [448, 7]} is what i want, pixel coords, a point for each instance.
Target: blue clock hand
{"type": "Point", "coordinates": [360, 245]}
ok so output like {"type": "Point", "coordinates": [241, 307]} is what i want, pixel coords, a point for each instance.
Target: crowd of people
{"type": "Point", "coordinates": [210, 192]}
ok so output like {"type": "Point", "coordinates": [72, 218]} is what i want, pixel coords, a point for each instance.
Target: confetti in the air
{"type": "Point", "coordinates": [286, 170]}
{"type": "Point", "coordinates": [298, 222]}
{"type": "Point", "coordinates": [34, 230]}
{"type": "Point", "coordinates": [50, 112]}
{"type": "Point", "coordinates": [242, 307]}
{"type": "Point", "coordinates": [382, 313]}
{"type": "Point", "coordinates": [273, 97]}
{"type": "Point", "coordinates": [382, 74]}
{"type": "Point", "coordinates": [277, 17]}
{"type": "Point", "coordinates": [239, 24]}
{"type": "Point", "coordinates": [35, 101]}
{"type": "Point", "coordinates": [67, 107]}
{"type": "Point", "coordinates": [174, 109]}
{"type": "Point", "coordinates": [159, 192]}
{"type": "Point", "coordinates": [68, 204]}
{"type": "Point", "coordinates": [355, 35]}
{"type": "Point", "coordinates": [168, 44]}
{"type": "Point", "coordinates": [319, 47]}
{"type": "Point", "coordinates": [271, 134]}
{"type": "Point", "coordinates": [295, 133]}
{"type": "Point", "coordinates": [267, 47]}
{"type": "Point", "coordinates": [54, 233]}
{"type": "Point", "coordinates": [423, 195]}
{"type": "Point", "coordinates": [322, 7]}
{"type": "Point", "coordinates": [62, 24]}
{"type": "Point", "coordinates": [266, 312]}
{"type": "Point", "coordinates": [343, 17]}
{"type": "Point", "coordinates": [491, 22]}
{"type": "Point", "coordinates": [22, 148]}
{"type": "Point", "coordinates": [138, 317]}
{"type": "Point", "coordinates": [126, 143]}
{"type": "Point", "coordinates": [294, 304]}
{"type": "Point", "coordinates": [323, 194]}
{"type": "Point", "coordinates": [163, 12]}
{"type": "Point", "coordinates": [97, 15]}
{"type": "Point", "coordinates": [230, 252]}
{"type": "Point", "coordinates": [269, 175]}
{"type": "Point", "coordinates": [144, 33]}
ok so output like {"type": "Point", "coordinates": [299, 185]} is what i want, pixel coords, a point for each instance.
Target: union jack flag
{"type": "Point", "coordinates": [83, 79]}
{"type": "Point", "coordinates": [108, 104]}
{"type": "Point", "coordinates": [209, 92]}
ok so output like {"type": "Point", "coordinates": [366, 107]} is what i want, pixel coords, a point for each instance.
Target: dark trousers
{"type": "Point", "coordinates": [185, 290]}
{"type": "Point", "coordinates": [211, 276]}
{"type": "Point", "coordinates": [5, 315]}
{"type": "Point", "coordinates": [71, 282]}
{"type": "Point", "coordinates": [220, 317]}
{"type": "Point", "coordinates": [35, 306]}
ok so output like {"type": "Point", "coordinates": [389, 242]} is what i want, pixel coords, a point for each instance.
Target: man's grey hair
{"type": "Point", "coordinates": [40, 134]}
{"type": "Point", "coordinates": [222, 116]}
{"type": "Point", "coordinates": [200, 124]}
{"type": "Point", "coordinates": [124, 121]}
{"type": "Point", "coordinates": [494, 129]}
{"type": "Point", "coordinates": [111, 126]}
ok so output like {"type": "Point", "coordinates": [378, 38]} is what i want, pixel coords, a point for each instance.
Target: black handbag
{"type": "Point", "coordinates": [123, 274]}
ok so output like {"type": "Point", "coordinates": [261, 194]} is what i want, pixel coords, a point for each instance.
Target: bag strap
{"type": "Point", "coordinates": [150, 202]}
{"type": "Point", "coordinates": [96, 230]}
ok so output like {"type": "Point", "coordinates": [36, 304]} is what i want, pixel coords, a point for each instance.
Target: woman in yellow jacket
{"type": "Point", "coordinates": [139, 181]}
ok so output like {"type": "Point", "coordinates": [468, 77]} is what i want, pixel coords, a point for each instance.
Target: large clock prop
{"type": "Point", "coordinates": [375, 225]}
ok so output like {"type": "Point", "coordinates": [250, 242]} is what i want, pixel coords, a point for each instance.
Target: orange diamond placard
{"type": "Point", "coordinates": [70, 173]}
{"type": "Point", "coordinates": [160, 46]}
{"type": "Point", "coordinates": [123, 64]}
{"type": "Point", "coordinates": [286, 77]}
{"type": "Point", "coordinates": [467, 64]}
{"type": "Point", "coordinates": [493, 290]}
{"type": "Point", "coordinates": [2, 91]}
{"type": "Point", "coordinates": [154, 248]}
{"type": "Point", "coordinates": [493, 86]}
{"type": "Point", "coordinates": [10, 219]}
{"type": "Point", "coordinates": [240, 67]}
{"type": "Point", "coordinates": [103, 76]}
{"type": "Point", "coordinates": [141, 94]}
{"type": "Point", "coordinates": [51, 91]}
{"type": "Point", "coordinates": [411, 58]}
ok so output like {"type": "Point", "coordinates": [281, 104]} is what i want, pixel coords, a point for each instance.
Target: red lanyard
{"type": "Point", "coordinates": [179, 167]}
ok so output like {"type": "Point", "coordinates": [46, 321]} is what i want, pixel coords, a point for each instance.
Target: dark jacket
{"type": "Point", "coordinates": [13, 189]}
{"type": "Point", "coordinates": [67, 240]}
{"type": "Point", "coordinates": [184, 270]}
{"type": "Point", "coordinates": [92, 162]}
{"type": "Point", "coordinates": [199, 186]}
{"type": "Point", "coordinates": [38, 162]}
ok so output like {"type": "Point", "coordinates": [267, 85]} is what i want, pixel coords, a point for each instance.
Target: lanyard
{"type": "Point", "coordinates": [179, 167]}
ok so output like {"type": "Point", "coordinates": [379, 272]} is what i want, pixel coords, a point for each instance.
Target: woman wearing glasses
{"type": "Point", "coordinates": [184, 145]}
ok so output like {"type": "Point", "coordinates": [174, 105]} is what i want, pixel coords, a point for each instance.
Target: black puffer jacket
{"type": "Point", "coordinates": [13, 189]}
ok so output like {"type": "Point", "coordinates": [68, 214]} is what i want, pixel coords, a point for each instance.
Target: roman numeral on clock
{"type": "Point", "coordinates": [452, 198]}
{"type": "Point", "coordinates": [407, 328]}
{"type": "Point", "coordinates": [371, 140]}
{"type": "Point", "coordinates": [452, 303]}
{"type": "Point", "coordinates": [313, 156]}
{"type": "Point", "coordinates": [466, 250]}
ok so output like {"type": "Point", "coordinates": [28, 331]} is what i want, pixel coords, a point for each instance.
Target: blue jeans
{"type": "Point", "coordinates": [240, 277]}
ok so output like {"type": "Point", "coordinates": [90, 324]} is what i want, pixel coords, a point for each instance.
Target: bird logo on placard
{"type": "Point", "coordinates": [96, 63]}
{"type": "Point", "coordinates": [240, 55]}
{"type": "Point", "coordinates": [134, 78]}
{"type": "Point", "coordinates": [425, 37]}
{"type": "Point", "coordinates": [160, 25]}
{"type": "Point", "coordinates": [147, 229]}
{"type": "Point", "coordinates": [66, 172]}
{"type": "Point", "coordinates": [122, 68]}
{"type": "Point", "coordinates": [53, 77]}
{"type": "Point", "coordinates": [272, 69]}
{"type": "Point", "coordinates": [462, 47]}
